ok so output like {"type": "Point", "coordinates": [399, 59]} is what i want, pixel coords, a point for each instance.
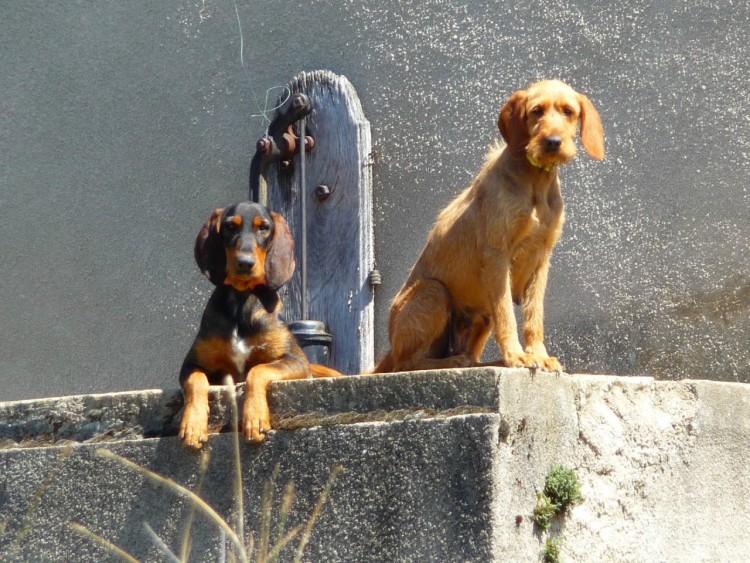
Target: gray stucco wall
{"type": "Point", "coordinates": [124, 124]}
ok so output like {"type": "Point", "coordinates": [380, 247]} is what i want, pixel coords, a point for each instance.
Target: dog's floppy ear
{"type": "Point", "coordinates": [280, 258]}
{"type": "Point", "coordinates": [512, 124]}
{"type": "Point", "coordinates": [209, 250]}
{"type": "Point", "coordinates": [592, 131]}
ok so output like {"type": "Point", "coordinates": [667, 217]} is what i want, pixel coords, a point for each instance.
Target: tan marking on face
{"type": "Point", "coordinates": [259, 222]}
{"type": "Point", "coordinates": [246, 282]}
{"type": "Point", "coordinates": [257, 277]}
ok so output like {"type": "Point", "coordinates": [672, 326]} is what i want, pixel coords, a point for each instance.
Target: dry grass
{"type": "Point", "coordinates": [28, 517]}
{"type": "Point", "coordinates": [244, 547]}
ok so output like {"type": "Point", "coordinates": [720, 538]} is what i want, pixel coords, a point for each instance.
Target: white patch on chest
{"type": "Point", "coordinates": [240, 351]}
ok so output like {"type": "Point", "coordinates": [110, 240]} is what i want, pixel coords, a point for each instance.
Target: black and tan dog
{"type": "Point", "coordinates": [248, 253]}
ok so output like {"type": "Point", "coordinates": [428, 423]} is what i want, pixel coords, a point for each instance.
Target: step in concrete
{"type": "Point", "coordinates": [434, 466]}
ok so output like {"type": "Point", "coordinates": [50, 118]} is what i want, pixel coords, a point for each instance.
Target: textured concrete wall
{"type": "Point", "coordinates": [125, 123]}
{"type": "Point", "coordinates": [437, 466]}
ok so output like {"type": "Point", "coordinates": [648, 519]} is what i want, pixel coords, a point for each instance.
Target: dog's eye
{"type": "Point", "coordinates": [569, 111]}
{"type": "Point", "coordinates": [232, 224]}
{"type": "Point", "coordinates": [537, 111]}
{"type": "Point", "coordinates": [264, 228]}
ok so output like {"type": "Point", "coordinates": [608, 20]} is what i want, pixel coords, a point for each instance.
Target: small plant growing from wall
{"type": "Point", "coordinates": [544, 511]}
{"type": "Point", "coordinates": [562, 490]}
{"type": "Point", "coordinates": [551, 552]}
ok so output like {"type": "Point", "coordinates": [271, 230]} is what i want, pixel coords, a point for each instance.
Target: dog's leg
{"type": "Point", "coordinates": [496, 278]}
{"type": "Point", "coordinates": [419, 323]}
{"type": "Point", "coordinates": [194, 425]}
{"type": "Point", "coordinates": [480, 332]}
{"type": "Point", "coordinates": [256, 417]}
{"type": "Point", "coordinates": [533, 313]}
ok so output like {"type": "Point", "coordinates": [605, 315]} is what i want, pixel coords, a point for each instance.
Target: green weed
{"type": "Point", "coordinates": [552, 547]}
{"type": "Point", "coordinates": [562, 487]}
{"type": "Point", "coordinates": [561, 491]}
{"type": "Point", "coordinates": [544, 511]}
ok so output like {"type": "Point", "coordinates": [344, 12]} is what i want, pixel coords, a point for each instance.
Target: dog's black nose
{"type": "Point", "coordinates": [552, 143]}
{"type": "Point", "coordinates": [245, 263]}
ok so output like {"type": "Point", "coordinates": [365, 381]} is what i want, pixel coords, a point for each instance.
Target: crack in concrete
{"type": "Point", "coordinates": [296, 421]}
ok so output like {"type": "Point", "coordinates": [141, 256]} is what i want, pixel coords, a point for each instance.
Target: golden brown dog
{"type": "Point", "coordinates": [491, 246]}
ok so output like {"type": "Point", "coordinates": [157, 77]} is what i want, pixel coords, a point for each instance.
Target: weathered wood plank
{"type": "Point", "coordinates": [339, 228]}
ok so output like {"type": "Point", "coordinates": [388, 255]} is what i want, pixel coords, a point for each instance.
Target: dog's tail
{"type": "Point", "coordinates": [322, 371]}
{"type": "Point", "coordinates": [385, 365]}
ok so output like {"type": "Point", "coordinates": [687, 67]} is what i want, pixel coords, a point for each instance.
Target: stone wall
{"type": "Point", "coordinates": [434, 466]}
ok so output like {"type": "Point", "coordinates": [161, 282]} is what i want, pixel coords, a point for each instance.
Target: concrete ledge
{"type": "Point", "coordinates": [156, 413]}
{"type": "Point", "coordinates": [437, 466]}
{"type": "Point", "coordinates": [90, 418]}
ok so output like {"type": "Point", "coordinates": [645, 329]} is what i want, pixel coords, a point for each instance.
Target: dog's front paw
{"type": "Point", "coordinates": [550, 363]}
{"type": "Point", "coordinates": [521, 360]}
{"type": "Point", "coordinates": [194, 426]}
{"type": "Point", "coordinates": [256, 420]}
{"type": "Point", "coordinates": [538, 358]}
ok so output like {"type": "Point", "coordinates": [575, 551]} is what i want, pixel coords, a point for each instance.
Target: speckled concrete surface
{"type": "Point", "coordinates": [439, 466]}
{"type": "Point", "coordinates": [125, 123]}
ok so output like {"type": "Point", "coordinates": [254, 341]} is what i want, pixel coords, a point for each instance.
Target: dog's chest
{"type": "Point", "coordinates": [539, 220]}
{"type": "Point", "coordinates": [241, 349]}
{"type": "Point", "coordinates": [543, 221]}
{"type": "Point", "coordinates": [530, 228]}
